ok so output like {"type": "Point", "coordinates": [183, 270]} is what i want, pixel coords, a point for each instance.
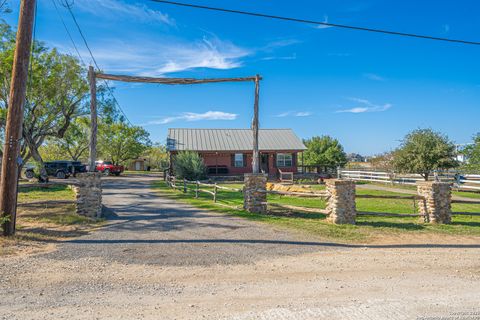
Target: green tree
{"type": "Point", "coordinates": [472, 153]}
{"type": "Point", "coordinates": [119, 142]}
{"type": "Point", "coordinates": [56, 93]}
{"type": "Point", "coordinates": [324, 151]}
{"type": "Point", "coordinates": [189, 165]}
{"type": "Point", "coordinates": [158, 156]}
{"type": "Point", "coordinates": [72, 146]}
{"type": "Point", "coordinates": [423, 151]}
{"type": "Point", "coordinates": [51, 152]}
{"type": "Point", "coordinates": [383, 161]}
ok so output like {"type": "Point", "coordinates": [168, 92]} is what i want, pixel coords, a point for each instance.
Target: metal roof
{"type": "Point", "coordinates": [232, 140]}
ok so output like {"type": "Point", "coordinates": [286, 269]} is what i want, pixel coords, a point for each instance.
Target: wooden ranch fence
{"type": "Point", "coordinates": [195, 187]}
{"type": "Point", "coordinates": [186, 185]}
{"type": "Point", "coordinates": [468, 182]}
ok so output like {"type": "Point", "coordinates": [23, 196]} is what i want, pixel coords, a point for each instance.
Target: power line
{"type": "Point", "coordinates": [68, 33]}
{"type": "Point", "coordinates": [68, 6]}
{"type": "Point", "coordinates": [344, 26]}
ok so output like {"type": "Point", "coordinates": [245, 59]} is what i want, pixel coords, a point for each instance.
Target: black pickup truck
{"type": "Point", "coordinates": [59, 169]}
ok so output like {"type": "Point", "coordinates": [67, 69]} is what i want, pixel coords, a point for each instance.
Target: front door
{"type": "Point", "coordinates": [264, 162]}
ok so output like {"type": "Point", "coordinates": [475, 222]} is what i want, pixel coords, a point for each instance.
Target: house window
{"type": "Point", "coordinates": [238, 163]}
{"type": "Point", "coordinates": [284, 160]}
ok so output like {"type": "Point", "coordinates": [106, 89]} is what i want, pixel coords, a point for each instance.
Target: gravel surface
{"type": "Point", "coordinates": [158, 259]}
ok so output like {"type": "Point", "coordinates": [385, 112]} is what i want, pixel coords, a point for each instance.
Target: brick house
{"type": "Point", "coordinates": [228, 152]}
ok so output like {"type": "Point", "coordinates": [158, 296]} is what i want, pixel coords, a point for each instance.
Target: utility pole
{"type": "Point", "coordinates": [13, 131]}
{"type": "Point", "coordinates": [256, 153]}
{"type": "Point", "coordinates": [92, 79]}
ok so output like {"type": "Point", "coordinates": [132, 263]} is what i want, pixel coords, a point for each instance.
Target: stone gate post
{"type": "Point", "coordinates": [437, 205]}
{"type": "Point", "coordinates": [89, 194]}
{"type": "Point", "coordinates": [341, 205]}
{"type": "Point", "coordinates": [254, 193]}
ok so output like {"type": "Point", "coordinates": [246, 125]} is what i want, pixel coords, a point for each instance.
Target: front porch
{"type": "Point", "coordinates": [272, 163]}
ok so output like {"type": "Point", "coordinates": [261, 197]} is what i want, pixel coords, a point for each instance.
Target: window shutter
{"type": "Point", "coordinates": [244, 160]}
{"type": "Point", "coordinates": [232, 156]}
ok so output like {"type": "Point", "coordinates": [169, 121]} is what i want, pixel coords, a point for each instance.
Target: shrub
{"type": "Point", "coordinates": [324, 151]}
{"type": "Point", "coordinates": [189, 165]}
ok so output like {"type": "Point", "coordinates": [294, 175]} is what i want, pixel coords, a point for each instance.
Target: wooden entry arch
{"type": "Point", "coordinates": [92, 78]}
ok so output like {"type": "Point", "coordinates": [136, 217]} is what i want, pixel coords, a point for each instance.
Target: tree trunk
{"type": "Point", "coordinates": [38, 158]}
{"type": "Point", "coordinates": [425, 176]}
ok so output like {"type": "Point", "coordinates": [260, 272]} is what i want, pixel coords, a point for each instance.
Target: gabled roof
{"type": "Point", "coordinates": [232, 140]}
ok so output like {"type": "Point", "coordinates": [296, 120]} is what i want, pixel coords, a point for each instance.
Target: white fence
{"type": "Point", "coordinates": [461, 182]}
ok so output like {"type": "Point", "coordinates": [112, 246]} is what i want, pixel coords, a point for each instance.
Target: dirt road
{"type": "Point", "coordinates": [157, 259]}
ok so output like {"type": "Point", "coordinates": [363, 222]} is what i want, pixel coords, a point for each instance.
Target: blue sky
{"type": "Point", "coordinates": [368, 90]}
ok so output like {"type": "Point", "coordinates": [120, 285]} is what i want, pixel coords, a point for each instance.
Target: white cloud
{"type": "Point", "coordinates": [158, 57]}
{"type": "Point", "coordinates": [294, 114]}
{"type": "Point", "coordinates": [446, 28]}
{"type": "Point", "coordinates": [355, 110]}
{"type": "Point", "coordinates": [113, 9]}
{"type": "Point", "coordinates": [209, 53]}
{"type": "Point", "coordinates": [192, 116]}
{"type": "Point", "coordinates": [279, 44]}
{"type": "Point", "coordinates": [366, 106]}
{"type": "Point", "coordinates": [292, 57]}
{"type": "Point", "coordinates": [303, 114]}
{"type": "Point", "coordinates": [373, 76]}
{"type": "Point", "coordinates": [325, 20]}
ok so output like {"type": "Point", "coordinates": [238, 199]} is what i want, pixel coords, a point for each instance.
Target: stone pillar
{"type": "Point", "coordinates": [341, 205]}
{"type": "Point", "coordinates": [254, 195]}
{"type": "Point", "coordinates": [89, 194]}
{"type": "Point", "coordinates": [437, 206]}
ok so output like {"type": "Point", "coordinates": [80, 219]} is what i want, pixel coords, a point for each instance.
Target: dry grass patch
{"type": "Point", "coordinates": [41, 226]}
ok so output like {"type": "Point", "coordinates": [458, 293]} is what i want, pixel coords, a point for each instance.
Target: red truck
{"type": "Point", "coordinates": [108, 168]}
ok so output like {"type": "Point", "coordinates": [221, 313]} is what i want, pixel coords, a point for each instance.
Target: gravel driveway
{"type": "Point", "coordinates": [158, 259]}
{"type": "Point", "coordinates": [148, 229]}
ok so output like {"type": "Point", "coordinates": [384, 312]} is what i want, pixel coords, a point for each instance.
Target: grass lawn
{"type": "Point", "coordinates": [368, 228]}
{"type": "Point", "coordinates": [465, 194]}
{"type": "Point", "coordinates": [41, 224]}
{"type": "Point", "coordinates": [39, 194]}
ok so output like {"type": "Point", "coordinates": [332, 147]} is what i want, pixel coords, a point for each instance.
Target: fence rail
{"type": "Point", "coordinates": [185, 185]}
{"type": "Point", "coordinates": [172, 183]}
{"type": "Point", "coordinates": [468, 182]}
{"type": "Point", "coordinates": [298, 194]}
{"type": "Point", "coordinates": [286, 176]}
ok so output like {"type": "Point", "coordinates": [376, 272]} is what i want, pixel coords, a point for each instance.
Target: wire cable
{"type": "Point", "coordinates": [69, 8]}
{"type": "Point", "coordinates": [336, 25]}
{"type": "Point", "coordinates": [68, 33]}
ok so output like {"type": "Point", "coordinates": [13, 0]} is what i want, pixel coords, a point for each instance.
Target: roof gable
{"type": "Point", "coordinates": [231, 140]}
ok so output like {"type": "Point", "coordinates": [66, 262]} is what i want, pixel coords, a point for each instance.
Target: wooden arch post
{"type": "Point", "coordinates": [92, 76]}
{"type": "Point", "coordinates": [93, 118]}
{"type": "Point", "coordinates": [256, 153]}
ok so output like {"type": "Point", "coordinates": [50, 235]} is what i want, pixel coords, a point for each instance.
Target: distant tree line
{"type": "Point", "coordinates": [422, 151]}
